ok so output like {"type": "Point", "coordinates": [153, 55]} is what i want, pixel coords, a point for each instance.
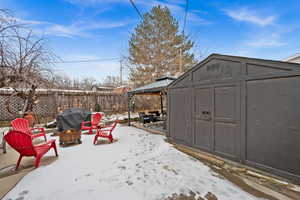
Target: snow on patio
{"type": "Point", "coordinates": [138, 166]}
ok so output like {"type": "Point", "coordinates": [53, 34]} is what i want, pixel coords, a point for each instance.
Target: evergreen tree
{"type": "Point", "coordinates": [156, 48]}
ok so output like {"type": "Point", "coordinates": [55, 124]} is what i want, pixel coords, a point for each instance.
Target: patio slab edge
{"type": "Point", "coordinates": [148, 129]}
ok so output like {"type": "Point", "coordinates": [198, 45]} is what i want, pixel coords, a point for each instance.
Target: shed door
{"type": "Point", "coordinates": [216, 120]}
{"type": "Point", "coordinates": [226, 121]}
{"type": "Point", "coordinates": [203, 118]}
{"type": "Point", "coordinates": [180, 114]}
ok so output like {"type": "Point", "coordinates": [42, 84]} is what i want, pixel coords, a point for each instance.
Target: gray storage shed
{"type": "Point", "coordinates": [243, 109]}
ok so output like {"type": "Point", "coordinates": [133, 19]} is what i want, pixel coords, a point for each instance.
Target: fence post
{"type": "Point", "coordinates": [55, 104]}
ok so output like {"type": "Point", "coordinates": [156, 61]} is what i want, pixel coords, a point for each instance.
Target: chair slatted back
{"type": "Point", "coordinates": [113, 126]}
{"type": "Point", "coordinates": [21, 142]}
{"type": "Point", "coordinates": [96, 118]}
{"type": "Point", "coordinates": [21, 124]}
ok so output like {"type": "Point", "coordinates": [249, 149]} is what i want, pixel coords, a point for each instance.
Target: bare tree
{"type": "Point", "coordinates": [87, 83]}
{"type": "Point", "coordinates": [24, 59]}
{"type": "Point", "coordinates": [62, 81]}
{"type": "Point", "coordinates": [111, 81]}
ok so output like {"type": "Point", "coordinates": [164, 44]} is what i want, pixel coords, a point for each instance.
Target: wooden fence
{"type": "Point", "coordinates": [51, 101]}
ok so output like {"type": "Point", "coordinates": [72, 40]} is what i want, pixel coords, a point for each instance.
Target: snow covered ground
{"type": "Point", "coordinates": [138, 166]}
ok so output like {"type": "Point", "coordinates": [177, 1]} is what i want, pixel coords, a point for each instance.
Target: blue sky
{"type": "Point", "coordinates": [96, 29]}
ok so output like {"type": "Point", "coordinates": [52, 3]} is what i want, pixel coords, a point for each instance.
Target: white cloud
{"type": "Point", "coordinates": [94, 2]}
{"type": "Point", "coordinates": [173, 5]}
{"type": "Point", "coordinates": [262, 42]}
{"type": "Point", "coordinates": [177, 7]}
{"type": "Point", "coordinates": [79, 28]}
{"type": "Point", "coordinates": [98, 70]}
{"type": "Point", "coordinates": [150, 3]}
{"type": "Point", "coordinates": [247, 15]}
{"type": "Point", "coordinates": [266, 41]}
{"type": "Point", "coordinates": [62, 31]}
{"type": "Point", "coordinates": [69, 57]}
{"type": "Point", "coordinates": [202, 12]}
{"type": "Point", "coordinates": [24, 21]}
{"type": "Point", "coordinates": [196, 19]}
{"type": "Point", "coordinates": [28, 22]}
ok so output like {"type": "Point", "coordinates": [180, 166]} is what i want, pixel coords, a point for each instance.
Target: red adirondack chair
{"type": "Point", "coordinates": [96, 118]}
{"type": "Point", "coordinates": [22, 143]}
{"type": "Point", "coordinates": [21, 124]}
{"type": "Point", "coordinates": [105, 132]}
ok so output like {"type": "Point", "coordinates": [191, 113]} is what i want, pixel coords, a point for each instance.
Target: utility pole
{"type": "Point", "coordinates": [121, 73]}
{"type": "Point", "coordinates": [180, 60]}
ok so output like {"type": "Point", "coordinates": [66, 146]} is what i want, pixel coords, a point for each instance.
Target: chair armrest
{"type": "Point", "coordinates": [82, 123]}
{"type": "Point", "coordinates": [40, 129]}
{"type": "Point", "coordinates": [37, 135]}
{"type": "Point", "coordinates": [45, 143]}
{"type": "Point", "coordinates": [107, 126]}
{"type": "Point", "coordinates": [105, 130]}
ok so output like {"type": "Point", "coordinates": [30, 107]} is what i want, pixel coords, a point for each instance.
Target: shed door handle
{"type": "Point", "coordinates": [204, 112]}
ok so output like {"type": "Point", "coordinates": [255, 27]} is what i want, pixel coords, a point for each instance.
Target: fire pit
{"type": "Point", "coordinates": [70, 136]}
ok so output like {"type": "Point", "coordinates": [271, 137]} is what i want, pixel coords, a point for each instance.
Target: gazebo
{"type": "Point", "coordinates": [156, 88]}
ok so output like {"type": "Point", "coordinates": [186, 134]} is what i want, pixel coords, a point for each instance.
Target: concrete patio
{"type": "Point", "coordinates": [138, 165]}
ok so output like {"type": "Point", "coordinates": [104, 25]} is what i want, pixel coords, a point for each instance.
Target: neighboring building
{"type": "Point", "coordinates": [116, 90]}
{"type": "Point", "coordinates": [121, 90]}
{"type": "Point", "coordinates": [295, 58]}
{"type": "Point", "coordinates": [97, 88]}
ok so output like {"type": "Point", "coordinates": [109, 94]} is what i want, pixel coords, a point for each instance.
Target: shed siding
{"type": "Point", "coordinates": [273, 128]}
{"type": "Point", "coordinates": [243, 109]}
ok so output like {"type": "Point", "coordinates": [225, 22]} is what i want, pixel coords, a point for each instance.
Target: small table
{"type": "Point", "coordinates": [70, 136]}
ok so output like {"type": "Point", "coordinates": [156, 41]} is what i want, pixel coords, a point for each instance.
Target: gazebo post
{"type": "Point", "coordinates": [161, 102]}
{"type": "Point", "coordinates": [129, 106]}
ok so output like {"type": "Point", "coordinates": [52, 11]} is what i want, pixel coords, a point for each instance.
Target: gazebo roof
{"type": "Point", "coordinates": [153, 88]}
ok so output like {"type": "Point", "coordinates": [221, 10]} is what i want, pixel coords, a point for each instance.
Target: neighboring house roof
{"type": "Point", "coordinates": [156, 87]}
{"type": "Point", "coordinates": [293, 58]}
{"type": "Point", "coordinates": [121, 90]}
{"type": "Point", "coordinates": [102, 88]}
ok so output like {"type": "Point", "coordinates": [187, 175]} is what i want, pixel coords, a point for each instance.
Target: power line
{"type": "Point", "coordinates": [185, 15]}
{"type": "Point", "coordinates": [136, 9]}
{"type": "Point", "coordinates": [85, 61]}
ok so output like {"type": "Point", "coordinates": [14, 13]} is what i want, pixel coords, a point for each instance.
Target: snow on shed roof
{"type": "Point", "coordinates": [292, 57]}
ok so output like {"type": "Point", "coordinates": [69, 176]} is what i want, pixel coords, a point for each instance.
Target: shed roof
{"type": "Point", "coordinates": [156, 87]}
{"type": "Point", "coordinates": [248, 60]}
